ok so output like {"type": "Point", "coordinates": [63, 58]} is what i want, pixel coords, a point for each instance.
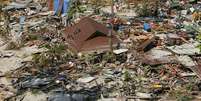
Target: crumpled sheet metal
{"type": "Point", "coordinates": [88, 35]}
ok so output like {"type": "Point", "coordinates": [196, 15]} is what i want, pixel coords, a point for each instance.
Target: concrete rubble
{"type": "Point", "coordinates": [96, 50]}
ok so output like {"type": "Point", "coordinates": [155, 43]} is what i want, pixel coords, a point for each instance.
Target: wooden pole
{"type": "Point", "coordinates": [111, 30]}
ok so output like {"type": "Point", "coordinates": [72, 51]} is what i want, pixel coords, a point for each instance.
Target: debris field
{"type": "Point", "coordinates": [100, 50]}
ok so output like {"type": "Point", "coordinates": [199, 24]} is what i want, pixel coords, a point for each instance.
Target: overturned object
{"type": "Point", "coordinates": [148, 44]}
{"type": "Point", "coordinates": [89, 35]}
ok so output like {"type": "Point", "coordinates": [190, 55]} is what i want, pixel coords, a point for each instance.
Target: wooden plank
{"type": "Point", "coordinates": [51, 5]}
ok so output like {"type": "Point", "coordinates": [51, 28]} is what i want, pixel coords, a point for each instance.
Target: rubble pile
{"type": "Point", "coordinates": [82, 50]}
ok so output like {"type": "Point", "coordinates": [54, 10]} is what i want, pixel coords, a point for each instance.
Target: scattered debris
{"type": "Point", "coordinates": [97, 50]}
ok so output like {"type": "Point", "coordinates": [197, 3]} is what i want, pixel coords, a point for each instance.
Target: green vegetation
{"type": "Point", "coordinates": [185, 98]}
{"type": "Point", "coordinates": [182, 93]}
{"type": "Point", "coordinates": [108, 57]}
{"type": "Point", "coordinates": [56, 54]}
{"type": "Point", "coordinates": [199, 39]}
{"type": "Point", "coordinates": [98, 58]}
{"type": "Point", "coordinates": [127, 76]}
{"type": "Point", "coordinates": [75, 6]}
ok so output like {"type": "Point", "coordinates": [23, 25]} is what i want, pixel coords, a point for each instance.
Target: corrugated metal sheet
{"type": "Point", "coordinates": [88, 35]}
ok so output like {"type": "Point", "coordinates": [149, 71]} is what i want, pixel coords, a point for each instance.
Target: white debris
{"type": "Point", "coordinates": [6, 54]}
{"type": "Point", "coordinates": [143, 95]}
{"type": "Point", "coordinates": [187, 74]}
{"type": "Point", "coordinates": [86, 79]}
{"type": "Point", "coordinates": [192, 9]}
{"type": "Point", "coordinates": [119, 51]}
{"type": "Point", "coordinates": [184, 12]}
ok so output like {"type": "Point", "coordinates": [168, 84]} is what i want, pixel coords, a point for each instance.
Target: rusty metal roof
{"type": "Point", "coordinates": [88, 35]}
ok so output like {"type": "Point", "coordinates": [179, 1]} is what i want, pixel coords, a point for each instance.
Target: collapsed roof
{"type": "Point", "coordinates": [88, 35]}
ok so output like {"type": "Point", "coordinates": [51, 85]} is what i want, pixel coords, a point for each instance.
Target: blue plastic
{"type": "Point", "coordinates": [65, 6]}
{"type": "Point", "coordinates": [147, 26]}
{"type": "Point", "coordinates": [56, 6]}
